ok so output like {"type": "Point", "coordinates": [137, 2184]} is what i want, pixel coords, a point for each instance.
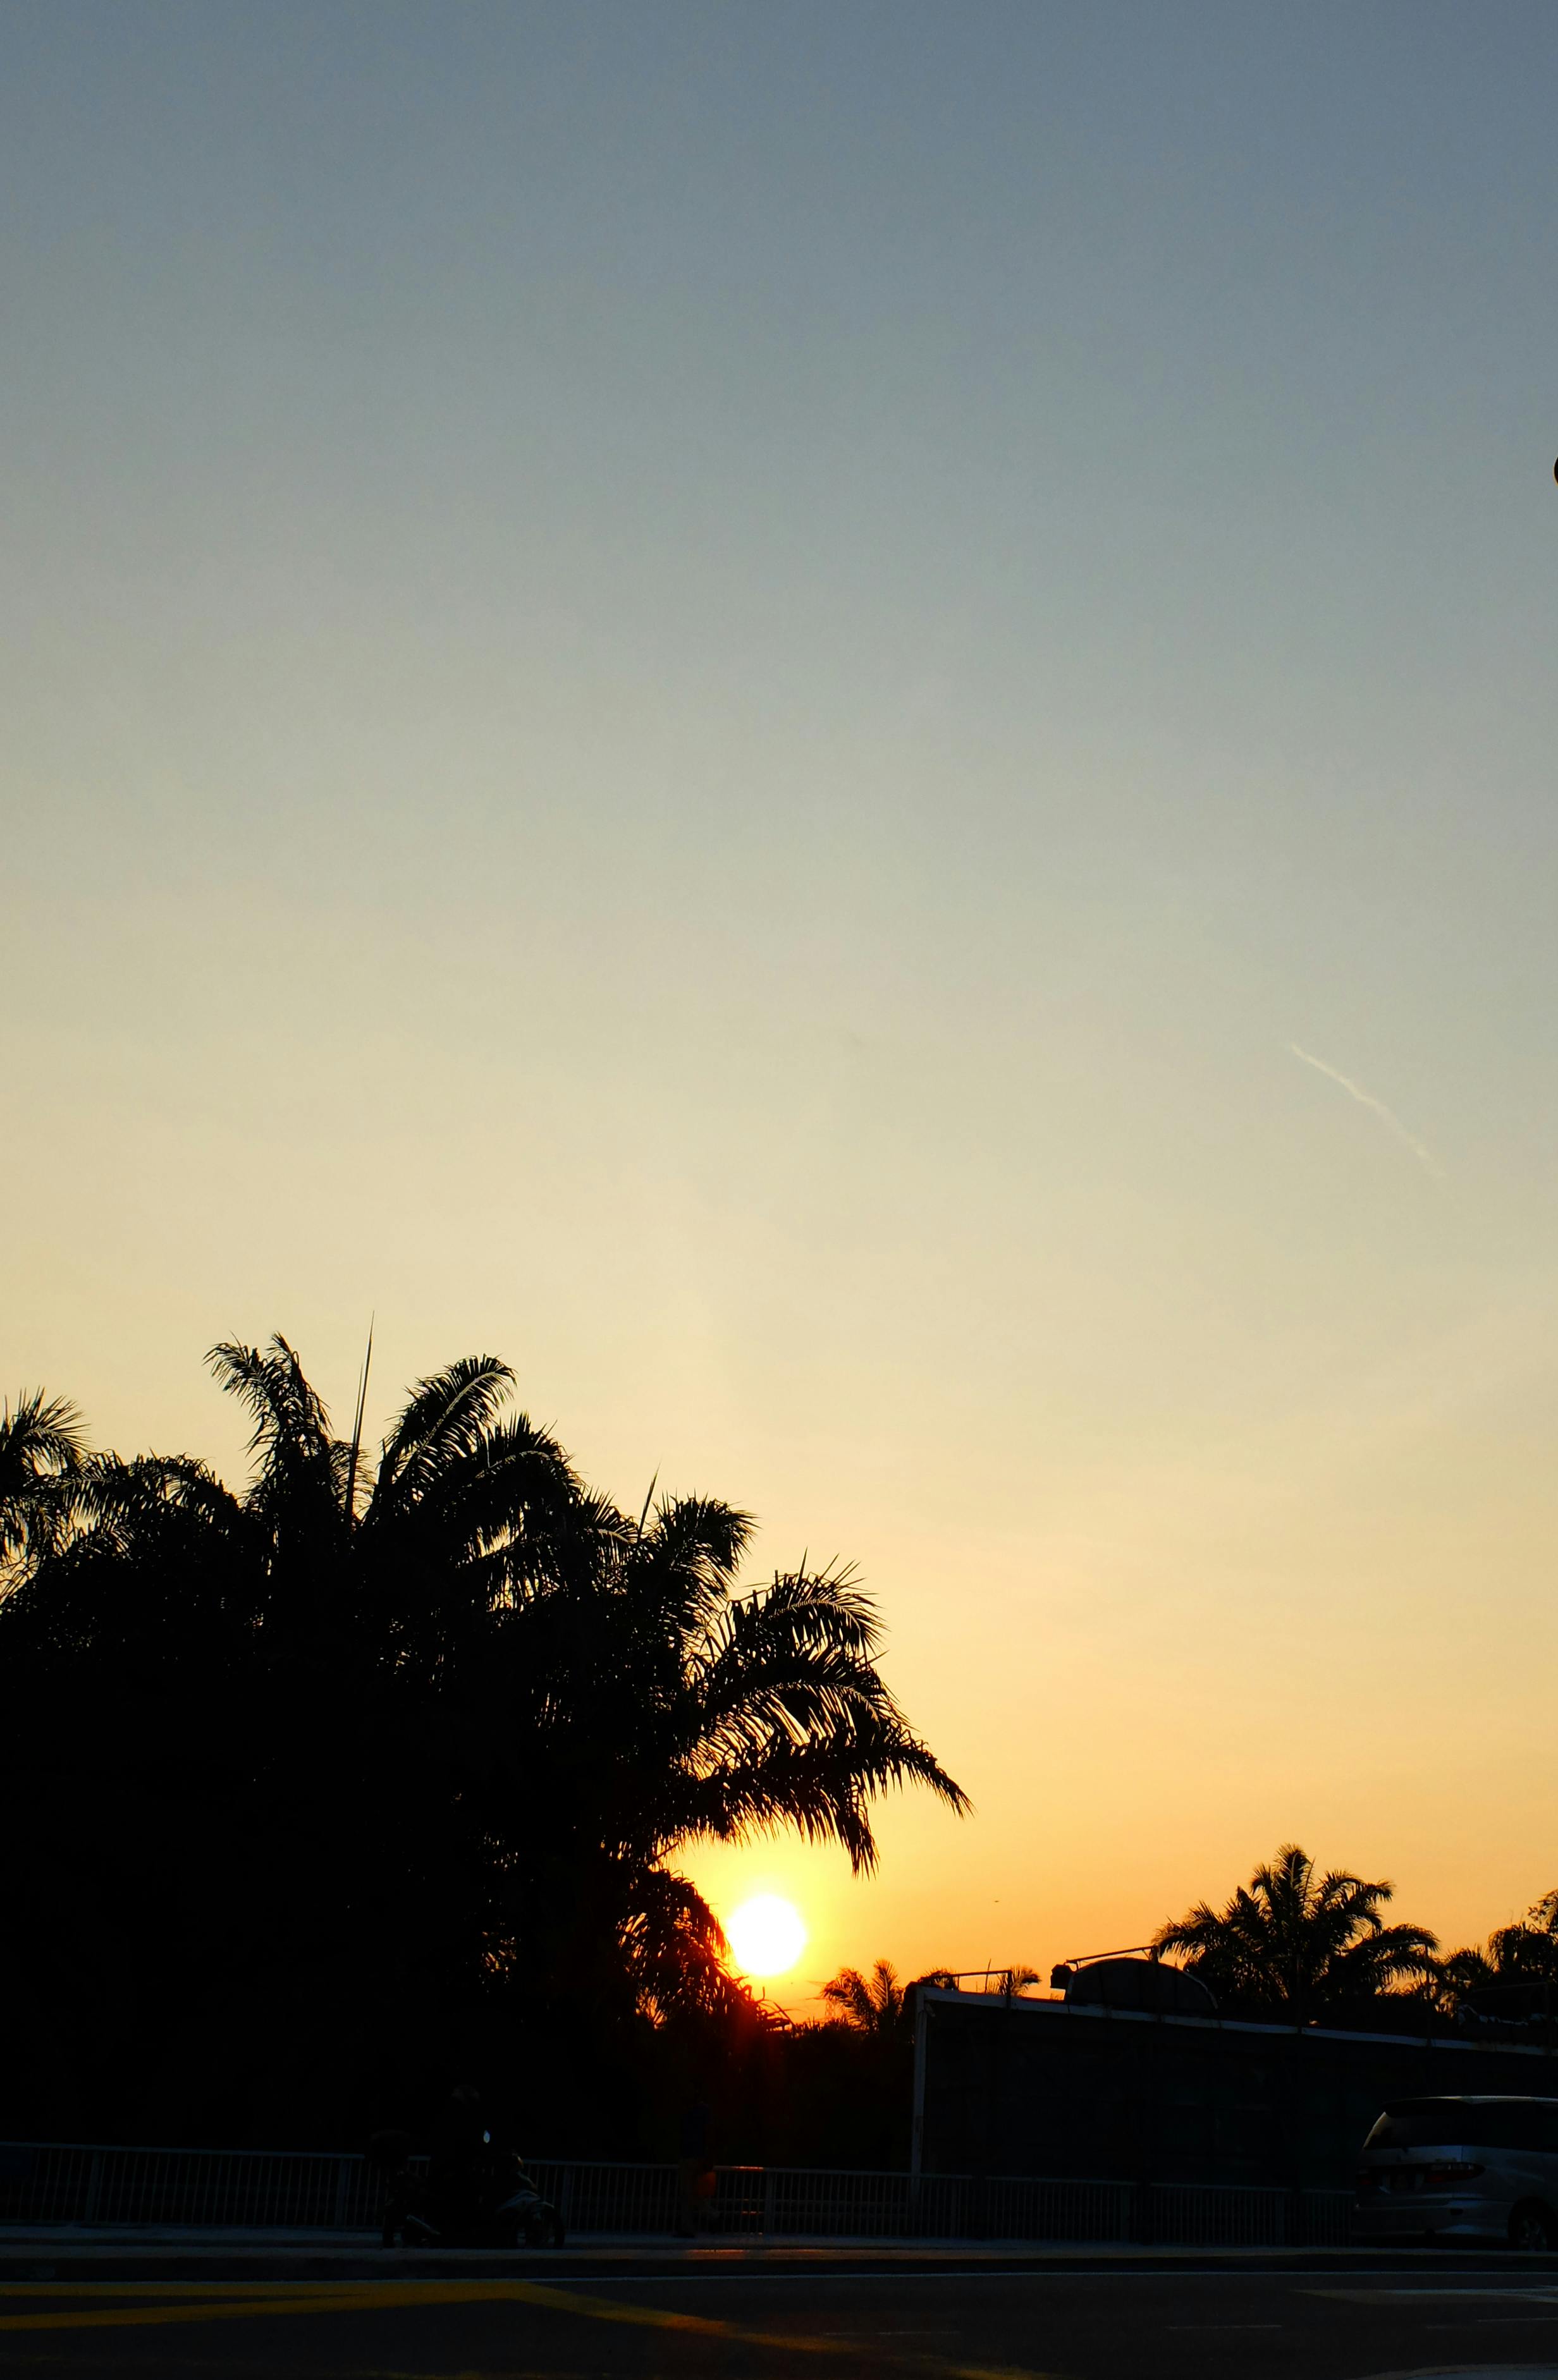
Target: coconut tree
{"type": "Point", "coordinates": [1525, 1953]}
{"type": "Point", "coordinates": [1299, 1942]}
{"type": "Point", "coordinates": [442, 1702]}
{"type": "Point", "coordinates": [877, 2005]}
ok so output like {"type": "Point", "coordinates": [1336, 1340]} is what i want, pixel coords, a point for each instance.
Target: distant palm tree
{"type": "Point", "coordinates": [1007, 1981]}
{"type": "Point", "coordinates": [879, 2005]}
{"type": "Point", "coordinates": [1525, 1953]}
{"type": "Point", "coordinates": [1303, 1944]}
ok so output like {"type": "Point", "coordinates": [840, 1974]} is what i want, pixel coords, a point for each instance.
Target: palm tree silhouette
{"type": "Point", "coordinates": [1303, 1944]}
{"type": "Point", "coordinates": [558, 1696]}
{"type": "Point", "coordinates": [878, 2006]}
{"type": "Point", "coordinates": [1525, 1953]}
{"type": "Point", "coordinates": [43, 1445]}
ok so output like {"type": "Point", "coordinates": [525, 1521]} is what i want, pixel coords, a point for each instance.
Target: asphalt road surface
{"type": "Point", "coordinates": [897, 2324]}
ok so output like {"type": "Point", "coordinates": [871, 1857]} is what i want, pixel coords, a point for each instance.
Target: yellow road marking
{"type": "Point", "coordinates": [191, 2288]}
{"type": "Point", "coordinates": [239, 2300]}
{"type": "Point", "coordinates": [130, 2317]}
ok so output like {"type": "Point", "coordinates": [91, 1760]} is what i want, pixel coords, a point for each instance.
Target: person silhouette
{"type": "Point", "coordinates": [695, 2169]}
{"type": "Point", "coordinates": [461, 2144]}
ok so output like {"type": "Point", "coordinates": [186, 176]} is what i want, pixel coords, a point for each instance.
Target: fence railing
{"type": "Point", "coordinates": [45, 2184]}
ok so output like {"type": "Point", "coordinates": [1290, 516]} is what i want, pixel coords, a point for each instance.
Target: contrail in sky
{"type": "Point", "coordinates": [1366, 1099]}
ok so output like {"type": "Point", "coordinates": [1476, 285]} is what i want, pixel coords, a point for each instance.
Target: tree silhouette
{"type": "Point", "coordinates": [1299, 1943]}
{"type": "Point", "coordinates": [42, 1448]}
{"type": "Point", "coordinates": [881, 2008]}
{"type": "Point", "coordinates": [1525, 1953]}
{"type": "Point", "coordinates": [394, 1740]}
{"type": "Point", "coordinates": [879, 2005]}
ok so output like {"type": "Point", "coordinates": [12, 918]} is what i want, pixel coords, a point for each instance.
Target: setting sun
{"type": "Point", "coordinates": [767, 1935]}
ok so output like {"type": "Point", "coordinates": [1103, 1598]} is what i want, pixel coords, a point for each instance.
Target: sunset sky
{"type": "Point", "coordinates": [838, 722]}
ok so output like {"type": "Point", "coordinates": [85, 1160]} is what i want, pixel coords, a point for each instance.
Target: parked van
{"type": "Point", "coordinates": [1484, 2168]}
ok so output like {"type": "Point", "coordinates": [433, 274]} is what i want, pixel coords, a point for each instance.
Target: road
{"type": "Point", "coordinates": [897, 2324]}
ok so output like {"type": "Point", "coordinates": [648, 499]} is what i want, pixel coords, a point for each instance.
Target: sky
{"type": "Point", "coordinates": [837, 723]}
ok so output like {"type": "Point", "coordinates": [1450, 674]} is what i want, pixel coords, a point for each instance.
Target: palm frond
{"type": "Point", "coordinates": [447, 1415]}
{"type": "Point", "coordinates": [674, 1947]}
{"type": "Point", "coordinates": [42, 1446]}
{"type": "Point", "coordinates": [39, 1436]}
{"type": "Point", "coordinates": [287, 1412]}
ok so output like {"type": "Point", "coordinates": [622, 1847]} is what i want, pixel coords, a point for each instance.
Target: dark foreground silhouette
{"type": "Point", "coordinates": [323, 1794]}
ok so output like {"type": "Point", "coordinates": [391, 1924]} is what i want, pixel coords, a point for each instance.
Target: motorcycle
{"type": "Point", "coordinates": [487, 2201]}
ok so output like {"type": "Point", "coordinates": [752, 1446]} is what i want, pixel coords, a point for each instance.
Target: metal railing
{"type": "Point", "coordinates": [46, 2184]}
{"type": "Point", "coordinates": [233, 2189]}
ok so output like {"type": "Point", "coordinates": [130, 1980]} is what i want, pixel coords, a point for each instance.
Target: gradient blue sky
{"type": "Point", "coordinates": [700, 694]}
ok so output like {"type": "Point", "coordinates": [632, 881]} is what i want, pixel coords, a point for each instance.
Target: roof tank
{"type": "Point", "coordinates": [1146, 1986]}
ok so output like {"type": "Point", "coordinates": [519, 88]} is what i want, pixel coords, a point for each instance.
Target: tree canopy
{"type": "Point", "coordinates": [1299, 1943]}
{"type": "Point", "coordinates": [379, 1759]}
{"type": "Point", "coordinates": [1525, 1953]}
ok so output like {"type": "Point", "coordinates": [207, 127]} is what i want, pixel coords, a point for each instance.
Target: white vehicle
{"type": "Point", "coordinates": [1483, 2168]}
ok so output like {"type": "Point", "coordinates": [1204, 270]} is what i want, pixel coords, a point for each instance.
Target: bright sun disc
{"type": "Point", "coordinates": [766, 1935]}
